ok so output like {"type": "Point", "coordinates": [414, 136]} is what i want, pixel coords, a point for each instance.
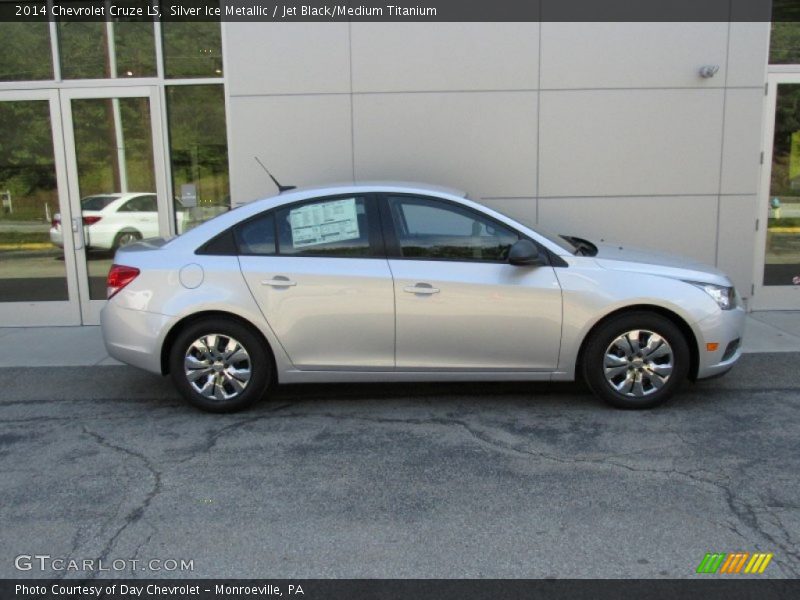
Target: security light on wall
{"type": "Point", "coordinates": [708, 71]}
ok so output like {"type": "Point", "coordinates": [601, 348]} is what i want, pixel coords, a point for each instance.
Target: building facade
{"type": "Point", "coordinates": [681, 137]}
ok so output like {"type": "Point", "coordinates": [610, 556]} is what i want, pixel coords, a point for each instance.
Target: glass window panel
{"type": "Point", "coordinates": [84, 47]}
{"type": "Point", "coordinates": [783, 226]}
{"type": "Point", "coordinates": [784, 46]}
{"type": "Point", "coordinates": [335, 227]}
{"type": "Point", "coordinates": [198, 153]}
{"type": "Point", "coordinates": [32, 264]}
{"type": "Point", "coordinates": [114, 151]}
{"type": "Point", "coordinates": [192, 49]}
{"type": "Point", "coordinates": [430, 229]}
{"type": "Point", "coordinates": [27, 54]}
{"type": "Point", "coordinates": [134, 42]}
{"type": "Point", "coordinates": [257, 236]}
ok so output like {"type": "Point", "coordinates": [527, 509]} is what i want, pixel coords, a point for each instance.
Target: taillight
{"type": "Point", "coordinates": [118, 277]}
{"type": "Point", "coordinates": [56, 222]}
{"type": "Point", "coordinates": [91, 220]}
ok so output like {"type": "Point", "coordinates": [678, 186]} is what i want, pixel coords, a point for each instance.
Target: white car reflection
{"type": "Point", "coordinates": [113, 220]}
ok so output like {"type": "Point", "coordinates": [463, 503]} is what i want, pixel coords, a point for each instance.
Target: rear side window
{"type": "Point", "coordinates": [335, 227]}
{"type": "Point", "coordinates": [257, 236]}
{"type": "Point", "coordinates": [438, 230]}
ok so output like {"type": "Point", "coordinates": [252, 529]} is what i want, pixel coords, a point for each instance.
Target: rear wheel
{"type": "Point", "coordinates": [636, 360]}
{"type": "Point", "coordinates": [220, 365]}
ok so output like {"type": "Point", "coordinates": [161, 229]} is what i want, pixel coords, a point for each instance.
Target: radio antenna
{"type": "Point", "coordinates": [281, 188]}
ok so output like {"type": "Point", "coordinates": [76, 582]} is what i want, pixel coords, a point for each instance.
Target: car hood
{"type": "Point", "coordinates": [621, 257]}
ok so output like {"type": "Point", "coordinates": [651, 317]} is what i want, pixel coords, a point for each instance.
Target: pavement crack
{"type": "Point", "coordinates": [136, 514]}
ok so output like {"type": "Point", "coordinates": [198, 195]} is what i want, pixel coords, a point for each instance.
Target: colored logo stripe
{"type": "Point", "coordinates": [758, 563]}
{"type": "Point", "coordinates": [734, 562]}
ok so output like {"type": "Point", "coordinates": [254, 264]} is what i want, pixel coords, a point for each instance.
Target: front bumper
{"type": "Point", "coordinates": [726, 329]}
{"type": "Point", "coordinates": [134, 336]}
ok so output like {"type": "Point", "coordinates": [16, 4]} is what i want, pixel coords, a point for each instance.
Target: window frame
{"type": "Point", "coordinates": [394, 249]}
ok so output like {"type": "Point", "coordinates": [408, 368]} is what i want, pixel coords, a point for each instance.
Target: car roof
{"type": "Point", "coordinates": [368, 186]}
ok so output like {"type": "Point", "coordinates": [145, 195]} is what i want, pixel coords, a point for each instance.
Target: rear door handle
{"type": "Point", "coordinates": [279, 281]}
{"type": "Point", "coordinates": [421, 288]}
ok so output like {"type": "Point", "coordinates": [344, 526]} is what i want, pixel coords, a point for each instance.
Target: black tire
{"type": "Point", "coordinates": [258, 362]}
{"type": "Point", "coordinates": [123, 238]}
{"type": "Point", "coordinates": [653, 388]}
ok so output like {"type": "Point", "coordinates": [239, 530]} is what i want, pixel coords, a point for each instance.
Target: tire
{"type": "Point", "coordinates": [636, 360]}
{"type": "Point", "coordinates": [123, 238]}
{"type": "Point", "coordinates": [223, 379]}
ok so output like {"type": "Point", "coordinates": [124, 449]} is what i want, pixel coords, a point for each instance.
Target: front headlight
{"type": "Point", "coordinates": [724, 296]}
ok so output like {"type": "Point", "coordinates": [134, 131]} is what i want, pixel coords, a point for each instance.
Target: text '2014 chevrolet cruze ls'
{"type": "Point", "coordinates": [405, 282]}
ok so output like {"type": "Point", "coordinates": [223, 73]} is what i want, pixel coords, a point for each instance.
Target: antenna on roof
{"type": "Point", "coordinates": [281, 188]}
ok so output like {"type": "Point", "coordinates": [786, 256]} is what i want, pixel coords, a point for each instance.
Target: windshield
{"type": "Point", "coordinates": [96, 202]}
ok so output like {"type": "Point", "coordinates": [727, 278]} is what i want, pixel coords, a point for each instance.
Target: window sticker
{"type": "Point", "coordinates": [324, 222]}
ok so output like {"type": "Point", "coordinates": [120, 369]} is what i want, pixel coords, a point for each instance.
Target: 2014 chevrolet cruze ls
{"type": "Point", "coordinates": [404, 282]}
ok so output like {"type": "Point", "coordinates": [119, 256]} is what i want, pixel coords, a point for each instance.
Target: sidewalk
{"type": "Point", "coordinates": [767, 331]}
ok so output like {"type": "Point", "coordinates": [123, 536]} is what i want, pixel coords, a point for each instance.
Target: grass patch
{"type": "Point", "coordinates": [786, 222]}
{"type": "Point", "coordinates": [24, 237]}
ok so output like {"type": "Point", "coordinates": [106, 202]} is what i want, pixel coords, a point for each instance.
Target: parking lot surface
{"type": "Point", "coordinates": [488, 480]}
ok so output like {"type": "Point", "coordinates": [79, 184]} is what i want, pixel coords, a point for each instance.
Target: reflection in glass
{"type": "Point", "coordinates": [116, 178]}
{"type": "Point", "coordinates": [31, 261]}
{"type": "Point", "coordinates": [784, 44]}
{"type": "Point", "coordinates": [199, 153]}
{"type": "Point", "coordinates": [783, 226]}
{"type": "Point", "coordinates": [86, 48]}
{"type": "Point", "coordinates": [192, 49]}
{"type": "Point", "coordinates": [26, 52]}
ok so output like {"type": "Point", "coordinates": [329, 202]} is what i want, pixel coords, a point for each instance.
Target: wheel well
{"type": "Point", "coordinates": [687, 332]}
{"type": "Point", "coordinates": [166, 347]}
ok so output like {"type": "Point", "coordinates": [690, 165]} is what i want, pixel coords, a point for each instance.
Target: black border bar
{"type": "Point", "coordinates": [707, 588]}
{"type": "Point", "coordinates": [401, 10]}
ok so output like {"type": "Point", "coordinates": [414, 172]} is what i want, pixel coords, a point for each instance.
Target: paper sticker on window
{"type": "Point", "coordinates": [324, 222]}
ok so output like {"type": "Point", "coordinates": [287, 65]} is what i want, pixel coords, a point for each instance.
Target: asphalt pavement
{"type": "Point", "coordinates": [434, 480]}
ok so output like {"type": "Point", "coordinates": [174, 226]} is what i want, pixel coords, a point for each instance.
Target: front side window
{"type": "Point", "coordinates": [331, 227]}
{"type": "Point", "coordinates": [434, 229]}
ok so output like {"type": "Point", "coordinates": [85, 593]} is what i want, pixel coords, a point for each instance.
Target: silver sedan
{"type": "Point", "coordinates": [407, 282]}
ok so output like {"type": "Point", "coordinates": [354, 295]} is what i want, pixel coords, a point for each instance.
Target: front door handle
{"type": "Point", "coordinates": [279, 281]}
{"type": "Point", "coordinates": [421, 288]}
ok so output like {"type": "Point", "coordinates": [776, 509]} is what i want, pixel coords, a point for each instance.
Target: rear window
{"type": "Point", "coordinates": [96, 202]}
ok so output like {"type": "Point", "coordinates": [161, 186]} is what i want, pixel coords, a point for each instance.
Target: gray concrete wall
{"type": "Point", "coordinates": [597, 129]}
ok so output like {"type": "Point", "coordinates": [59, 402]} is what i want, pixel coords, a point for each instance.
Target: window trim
{"type": "Point", "coordinates": [394, 250]}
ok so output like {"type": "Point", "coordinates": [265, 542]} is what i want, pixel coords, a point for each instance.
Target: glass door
{"type": "Point", "coordinates": [38, 276]}
{"type": "Point", "coordinates": [778, 282]}
{"type": "Point", "coordinates": [117, 180]}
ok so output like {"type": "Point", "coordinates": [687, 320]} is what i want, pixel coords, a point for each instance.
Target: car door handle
{"type": "Point", "coordinates": [279, 281]}
{"type": "Point", "coordinates": [421, 288]}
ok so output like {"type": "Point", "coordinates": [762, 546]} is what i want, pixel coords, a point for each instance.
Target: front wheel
{"type": "Point", "coordinates": [636, 360]}
{"type": "Point", "coordinates": [220, 365]}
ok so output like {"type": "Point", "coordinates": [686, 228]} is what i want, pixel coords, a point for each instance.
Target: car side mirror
{"type": "Point", "coordinates": [524, 253]}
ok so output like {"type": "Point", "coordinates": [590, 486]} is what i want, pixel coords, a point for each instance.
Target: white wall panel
{"type": "Point", "coordinates": [483, 142]}
{"type": "Point", "coordinates": [444, 56]}
{"type": "Point", "coordinates": [303, 140]}
{"type": "Point", "coordinates": [521, 209]}
{"type": "Point", "coordinates": [287, 58]}
{"type": "Point", "coordinates": [742, 146]}
{"type": "Point", "coordinates": [627, 142]}
{"type": "Point", "coordinates": [612, 55]}
{"type": "Point", "coordinates": [747, 57]}
{"type": "Point", "coordinates": [684, 225]}
{"type": "Point", "coordinates": [736, 244]}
